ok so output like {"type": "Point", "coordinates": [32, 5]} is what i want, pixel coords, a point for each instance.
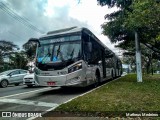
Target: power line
{"type": "Point", "coordinates": [12, 32]}
{"type": "Point", "coordinates": [19, 18]}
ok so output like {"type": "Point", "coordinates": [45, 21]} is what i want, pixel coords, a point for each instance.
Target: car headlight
{"type": "Point", "coordinates": [75, 67]}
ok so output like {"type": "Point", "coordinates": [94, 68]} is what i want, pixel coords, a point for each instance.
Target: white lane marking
{"type": "Point", "coordinates": [29, 102]}
{"type": "Point", "coordinates": [39, 90]}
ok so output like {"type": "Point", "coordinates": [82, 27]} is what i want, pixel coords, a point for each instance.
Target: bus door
{"type": "Point", "coordinates": [89, 67]}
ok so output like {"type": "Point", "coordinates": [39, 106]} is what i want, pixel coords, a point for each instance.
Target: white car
{"type": "Point", "coordinates": [14, 76]}
{"type": "Point", "coordinates": [29, 80]}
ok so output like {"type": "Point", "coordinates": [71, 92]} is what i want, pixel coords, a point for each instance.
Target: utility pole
{"type": "Point", "coordinates": [138, 58]}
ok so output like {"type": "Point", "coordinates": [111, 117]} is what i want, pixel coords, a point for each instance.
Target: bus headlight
{"type": "Point", "coordinates": [75, 67]}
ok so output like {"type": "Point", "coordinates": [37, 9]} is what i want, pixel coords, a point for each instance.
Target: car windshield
{"type": "Point", "coordinates": [58, 52]}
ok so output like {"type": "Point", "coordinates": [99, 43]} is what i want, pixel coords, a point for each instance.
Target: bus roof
{"type": "Point", "coordinates": [63, 31]}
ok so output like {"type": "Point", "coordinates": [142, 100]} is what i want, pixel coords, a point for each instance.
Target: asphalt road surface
{"type": "Point", "coordinates": [12, 89]}
{"type": "Point", "coordinates": [36, 99]}
{"type": "Point", "coordinates": [22, 99]}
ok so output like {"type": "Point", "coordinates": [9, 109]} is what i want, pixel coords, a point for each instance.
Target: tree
{"type": "Point", "coordinates": [118, 3]}
{"type": "Point", "coordinates": [148, 56]}
{"type": "Point", "coordinates": [6, 48]}
{"type": "Point", "coordinates": [18, 60]}
{"type": "Point", "coordinates": [145, 19]}
{"type": "Point", "coordinates": [142, 16]}
{"type": "Point", "coordinates": [30, 50]}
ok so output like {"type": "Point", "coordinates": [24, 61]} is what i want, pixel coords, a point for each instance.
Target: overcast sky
{"type": "Point", "coordinates": [23, 19]}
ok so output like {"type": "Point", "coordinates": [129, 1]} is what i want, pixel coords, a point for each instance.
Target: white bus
{"type": "Point", "coordinates": [74, 57]}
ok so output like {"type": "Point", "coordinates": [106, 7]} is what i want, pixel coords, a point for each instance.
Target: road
{"type": "Point", "coordinates": [12, 89]}
{"type": "Point", "coordinates": [38, 99]}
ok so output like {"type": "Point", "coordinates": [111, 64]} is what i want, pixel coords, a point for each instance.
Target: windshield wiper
{"type": "Point", "coordinates": [58, 51]}
{"type": "Point", "coordinates": [71, 56]}
{"type": "Point", "coordinates": [72, 53]}
{"type": "Point", "coordinates": [47, 55]}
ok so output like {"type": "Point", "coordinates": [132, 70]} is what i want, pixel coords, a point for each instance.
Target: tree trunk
{"type": "Point", "coordinates": [148, 67]}
{"type": "Point", "coordinates": [151, 67]}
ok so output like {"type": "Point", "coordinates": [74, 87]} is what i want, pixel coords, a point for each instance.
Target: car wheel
{"type": "Point", "coordinates": [29, 86]}
{"type": "Point", "coordinates": [16, 84]}
{"type": "Point", "coordinates": [4, 83]}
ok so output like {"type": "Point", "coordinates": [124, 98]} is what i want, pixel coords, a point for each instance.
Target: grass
{"type": "Point", "coordinates": [124, 94]}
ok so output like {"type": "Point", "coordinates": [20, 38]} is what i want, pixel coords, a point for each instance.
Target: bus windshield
{"type": "Point", "coordinates": [58, 52]}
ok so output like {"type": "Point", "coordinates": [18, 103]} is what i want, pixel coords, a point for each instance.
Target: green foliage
{"type": "Point", "coordinates": [6, 46]}
{"type": "Point", "coordinates": [133, 15]}
{"type": "Point", "coordinates": [145, 19]}
{"type": "Point", "coordinates": [19, 60]}
{"type": "Point", "coordinates": [30, 49]}
{"type": "Point", "coordinates": [144, 13]}
{"type": "Point", "coordinates": [16, 59]}
{"type": "Point", "coordinates": [136, 15]}
{"type": "Point", "coordinates": [115, 28]}
{"type": "Point", "coordinates": [112, 3]}
{"type": "Point", "coordinates": [116, 32]}
{"type": "Point", "coordinates": [149, 58]}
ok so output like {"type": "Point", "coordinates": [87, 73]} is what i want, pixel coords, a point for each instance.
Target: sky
{"type": "Point", "coordinates": [23, 19]}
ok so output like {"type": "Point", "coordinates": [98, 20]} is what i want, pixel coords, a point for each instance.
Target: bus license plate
{"type": "Point", "coordinates": [50, 83]}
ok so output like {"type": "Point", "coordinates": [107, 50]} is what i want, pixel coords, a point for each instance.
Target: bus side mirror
{"type": "Point", "coordinates": [34, 40]}
{"type": "Point", "coordinates": [89, 44]}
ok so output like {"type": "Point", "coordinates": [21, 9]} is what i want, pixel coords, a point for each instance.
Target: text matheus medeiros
{"type": "Point", "coordinates": [141, 114]}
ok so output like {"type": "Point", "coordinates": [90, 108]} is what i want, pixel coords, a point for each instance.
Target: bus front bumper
{"type": "Point", "coordinates": [75, 79]}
